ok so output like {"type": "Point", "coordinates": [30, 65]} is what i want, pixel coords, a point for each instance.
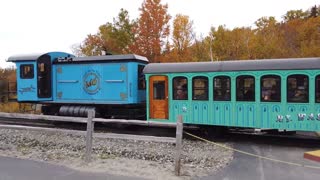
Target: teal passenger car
{"type": "Point", "coordinates": [281, 94]}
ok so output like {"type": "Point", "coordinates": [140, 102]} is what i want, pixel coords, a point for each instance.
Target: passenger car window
{"type": "Point", "coordinates": [180, 88]}
{"type": "Point", "coordinates": [270, 88]}
{"type": "Point", "coordinates": [26, 71]}
{"type": "Point", "coordinates": [245, 88]}
{"type": "Point", "coordinates": [200, 88]}
{"type": "Point", "coordinates": [222, 88]}
{"type": "Point", "coordinates": [298, 88]}
{"type": "Point", "coordinates": [317, 95]}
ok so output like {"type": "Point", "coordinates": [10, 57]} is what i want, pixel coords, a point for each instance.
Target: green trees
{"type": "Point", "coordinates": [114, 38]}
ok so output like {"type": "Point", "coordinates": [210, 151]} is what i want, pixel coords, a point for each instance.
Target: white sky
{"type": "Point", "coordinates": [33, 26]}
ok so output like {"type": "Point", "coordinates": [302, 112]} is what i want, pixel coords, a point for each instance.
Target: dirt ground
{"type": "Point", "coordinates": [151, 160]}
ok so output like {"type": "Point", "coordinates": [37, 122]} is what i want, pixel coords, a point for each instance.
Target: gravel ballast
{"type": "Point", "coordinates": [152, 160]}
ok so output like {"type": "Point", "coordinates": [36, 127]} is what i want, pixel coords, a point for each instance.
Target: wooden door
{"type": "Point", "coordinates": [158, 97]}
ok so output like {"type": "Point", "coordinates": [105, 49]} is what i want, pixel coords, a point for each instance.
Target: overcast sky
{"type": "Point", "coordinates": [33, 26]}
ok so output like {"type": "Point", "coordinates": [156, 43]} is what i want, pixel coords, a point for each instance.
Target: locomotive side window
{"type": "Point", "coordinates": [200, 88]}
{"type": "Point", "coordinates": [180, 88]}
{"type": "Point", "coordinates": [245, 88]}
{"type": "Point", "coordinates": [26, 71]}
{"type": "Point", "coordinates": [317, 89]}
{"type": "Point", "coordinates": [141, 78]}
{"type": "Point", "coordinates": [270, 88]}
{"type": "Point", "coordinates": [222, 88]}
{"type": "Point", "coordinates": [298, 88]}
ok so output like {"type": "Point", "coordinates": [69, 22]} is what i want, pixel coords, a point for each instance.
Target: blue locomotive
{"type": "Point", "coordinates": [113, 85]}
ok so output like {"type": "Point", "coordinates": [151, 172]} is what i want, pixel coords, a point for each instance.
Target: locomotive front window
{"type": "Point", "coordinates": [317, 89]}
{"type": "Point", "coordinates": [298, 88]}
{"type": "Point", "coordinates": [180, 88]}
{"type": "Point", "coordinates": [200, 88]}
{"type": "Point", "coordinates": [270, 88]}
{"type": "Point", "coordinates": [159, 90]}
{"type": "Point", "coordinates": [222, 88]}
{"type": "Point", "coordinates": [26, 71]}
{"type": "Point", "coordinates": [245, 88]}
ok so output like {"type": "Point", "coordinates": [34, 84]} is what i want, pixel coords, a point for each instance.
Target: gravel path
{"type": "Point", "coordinates": [152, 160]}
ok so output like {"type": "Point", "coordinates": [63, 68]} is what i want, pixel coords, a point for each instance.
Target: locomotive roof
{"type": "Point", "coordinates": [105, 58]}
{"type": "Point", "coordinates": [240, 65]}
{"type": "Point", "coordinates": [24, 57]}
{"type": "Point", "coordinates": [35, 56]}
{"type": "Point", "coordinates": [127, 57]}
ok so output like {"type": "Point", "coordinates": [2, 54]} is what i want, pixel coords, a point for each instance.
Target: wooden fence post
{"type": "Point", "coordinates": [179, 130]}
{"type": "Point", "coordinates": [90, 129]}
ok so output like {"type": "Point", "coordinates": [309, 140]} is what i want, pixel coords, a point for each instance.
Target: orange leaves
{"type": "Point", "coordinates": [296, 36]}
{"type": "Point", "coordinates": [152, 30]}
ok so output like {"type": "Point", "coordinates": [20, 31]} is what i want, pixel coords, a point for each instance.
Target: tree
{"type": "Point", "coordinates": [182, 39]}
{"type": "Point", "coordinates": [309, 37]}
{"type": "Point", "coordinates": [114, 38]}
{"type": "Point", "coordinates": [183, 34]}
{"type": "Point", "coordinates": [295, 14]}
{"type": "Point", "coordinates": [314, 12]}
{"type": "Point", "coordinates": [219, 39]}
{"type": "Point", "coordinates": [268, 39]}
{"type": "Point", "coordinates": [200, 50]}
{"type": "Point", "coordinates": [123, 31]}
{"type": "Point", "coordinates": [152, 30]}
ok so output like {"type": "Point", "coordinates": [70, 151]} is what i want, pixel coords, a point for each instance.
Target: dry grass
{"type": "Point", "coordinates": [15, 107]}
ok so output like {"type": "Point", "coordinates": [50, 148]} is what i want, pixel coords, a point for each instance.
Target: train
{"type": "Point", "coordinates": [70, 86]}
{"type": "Point", "coordinates": [267, 94]}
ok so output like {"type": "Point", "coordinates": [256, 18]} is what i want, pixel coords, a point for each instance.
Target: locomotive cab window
{"type": "Point", "coordinates": [298, 88]}
{"type": "Point", "coordinates": [200, 88]}
{"type": "Point", "coordinates": [180, 88]}
{"type": "Point", "coordinates": [222, 88]}
{"type": "Point", "coordinates": [317, 95]}
{"type": "Point", "coordinates": [141, 78]}
{"type": "Point", "coordinates": [26, 71]}
{"type": "Point", "coordinates": [270, 88]}
{"type": "Point", "coordinates": [245, 88]}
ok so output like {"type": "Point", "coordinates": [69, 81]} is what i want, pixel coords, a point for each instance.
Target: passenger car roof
{"type": "Point", "coordinates": [240, 65]}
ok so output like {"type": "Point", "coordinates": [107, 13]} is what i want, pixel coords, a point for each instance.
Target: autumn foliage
{"type": "Point", "coordinates": [7, 83]}
{"type": "Point", "coordinates": [297, 35]}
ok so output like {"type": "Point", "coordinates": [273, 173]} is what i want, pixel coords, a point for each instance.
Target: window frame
{"type": "Point", "coordinates": [159, 86]}
{"type": "Point", "coordinates": [184, 88]}
{"type": "Point", "coordinates": [206, 89]}
{"type": "Point", "coordinates": [253, 99]}
{"type": "Point", "coordinates": [215, 98]}
{"type": "Point", "coordinates": [141, 78]}
{"type": "Point", "coordinates": [316, 88]}
{"type": "Point", "coordinates": [308, 89]}
{"type": "Point", "coordinates": [23, 75]}
{"type": "Point", "coordinates": [278, 89]}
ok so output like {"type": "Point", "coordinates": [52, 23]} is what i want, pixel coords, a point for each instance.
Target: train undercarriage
{"type": "Point", "coordinates": [132, 111]}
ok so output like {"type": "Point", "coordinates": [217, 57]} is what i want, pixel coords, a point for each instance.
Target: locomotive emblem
{"type": "Point", "coordinates": [91, 82]}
